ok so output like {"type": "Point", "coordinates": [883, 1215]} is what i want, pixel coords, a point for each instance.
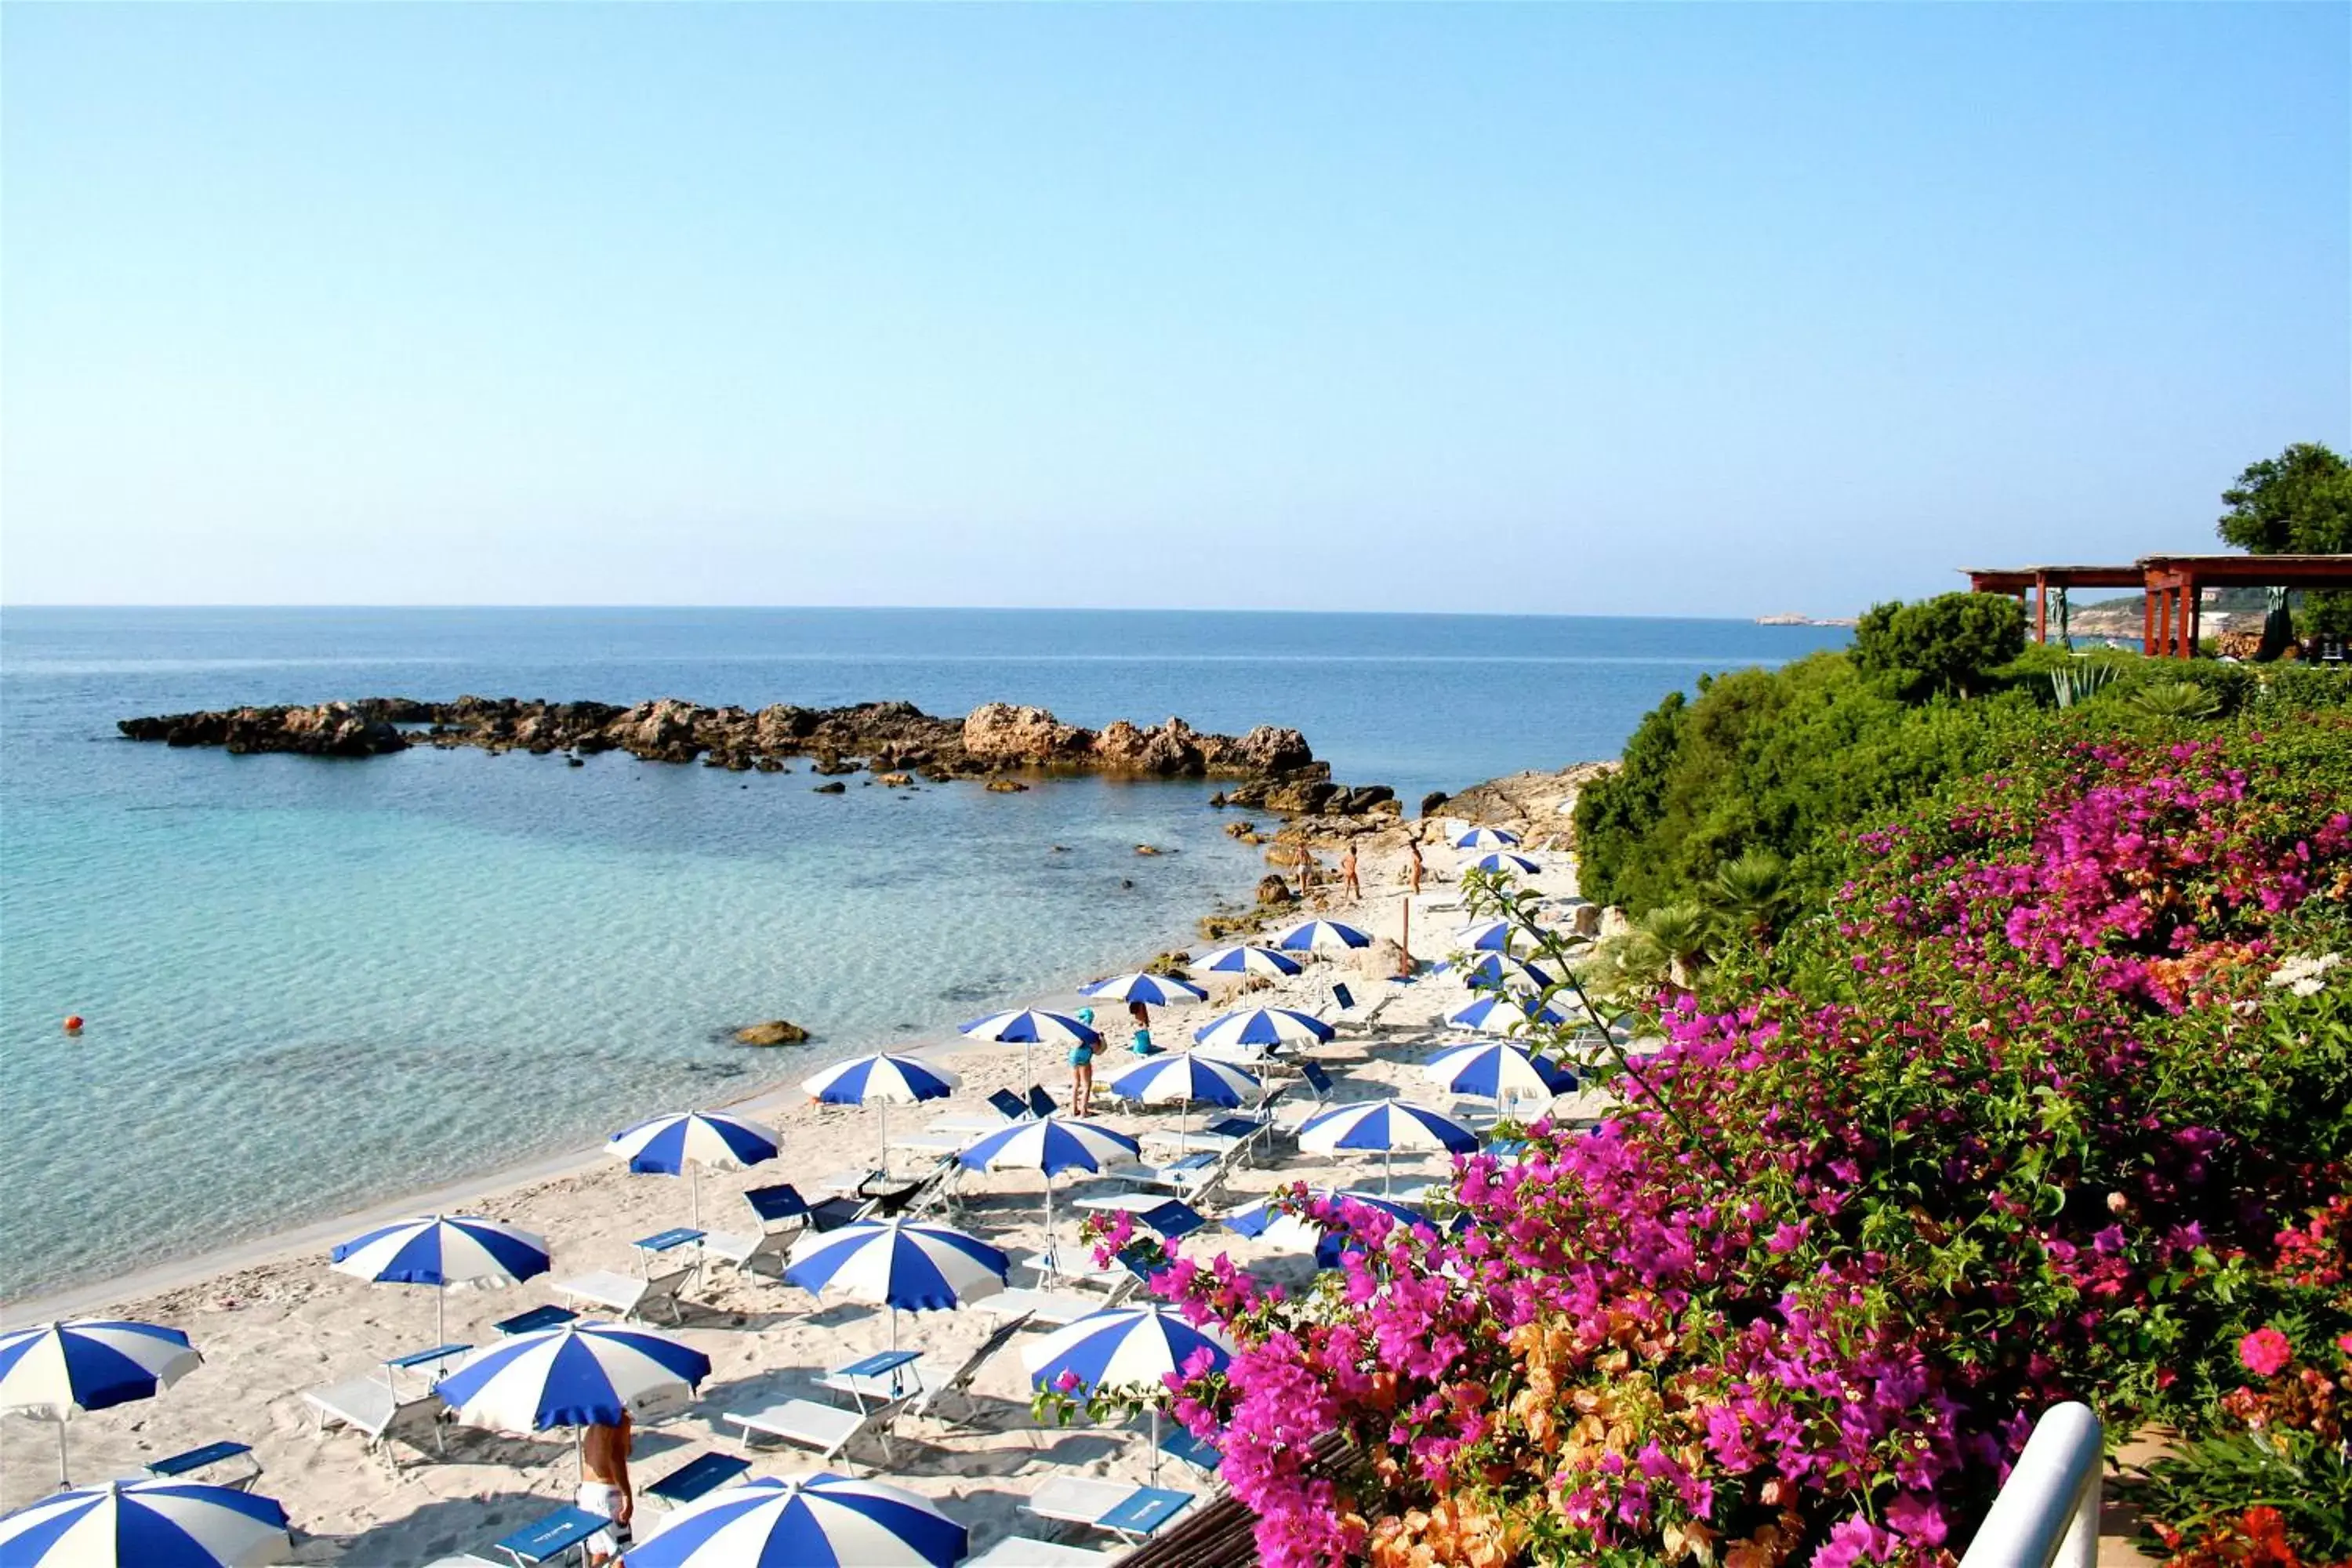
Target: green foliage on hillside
{"type": "Point", "coordinates": [1950, 644]}
{"type": "Point", "coordinates": [1785, 761]}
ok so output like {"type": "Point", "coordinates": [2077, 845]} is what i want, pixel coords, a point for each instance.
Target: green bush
{"type": "Point", "coordinates": [1950, 644]}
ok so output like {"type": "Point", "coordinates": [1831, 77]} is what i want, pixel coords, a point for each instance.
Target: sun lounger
{"type": "Point", "coordinates": [399, 1400]}
{"type": "Point", "coordinates": [630, 1295]}
{"type": "Point", "coordinates": [537, 1319]}
{"type": "Point", "coordinates": [1041, 1104]}
{"type": "Point", "coordinates": [940, 1380]}
{"type": "Point", "coordinates": [196, 1464]}
{"type": "Point", "coordinates": [1131, 1512]}
{"type": "Point", "coordinates": [782, 1215]}
{"type": "Point", "coordinates": [1021, 1551]}
{"type": "Point", "coordinates": [698, 1477]}
{"type": "Point", "coordinates": [552, 1537]}
{"type": "Point", "coordinates": [827, 1428]}
{"type": "Point", "coordinates": [1040, 1308]}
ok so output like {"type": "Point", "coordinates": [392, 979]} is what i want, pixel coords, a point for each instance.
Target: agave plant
{"type": "Point", "coordinates": [2076, 682]}
{"type": "Point", "coordinates": [2176, 699]}
{"type": "Point", "coordinates": [1751, 892]}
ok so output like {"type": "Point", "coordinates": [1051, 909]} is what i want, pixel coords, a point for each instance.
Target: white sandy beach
{"type": "Point", "coordinates": [275, 1321]}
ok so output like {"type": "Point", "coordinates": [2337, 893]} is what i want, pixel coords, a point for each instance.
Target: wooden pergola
{"type": "Point", "coordinates": [2172, 586]}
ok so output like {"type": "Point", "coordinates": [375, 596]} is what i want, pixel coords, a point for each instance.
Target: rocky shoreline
{"type": "Point", "coordinates": [1276, 769]}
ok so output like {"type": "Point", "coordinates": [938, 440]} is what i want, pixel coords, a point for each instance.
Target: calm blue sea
{"type": "Point", "coordinates": [314, 984]}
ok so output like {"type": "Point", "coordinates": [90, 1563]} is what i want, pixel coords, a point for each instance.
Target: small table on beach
{"type": "Point", "coordinates": [669, 1240]}
{"type": "Point", "coordinates": [545, 1317]}
{"type": "Point", "coordinates": [420, 1360]}
{"type": "Point", "coordinates": [554, 1536]}
{"type": "Point", "coordinates": [1047, 1308]}
{"type": "Point", "coordinates": [858, 1375]}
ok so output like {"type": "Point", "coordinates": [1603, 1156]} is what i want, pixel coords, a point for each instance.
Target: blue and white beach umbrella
{"type": "Point", "coordinates": [1030, 1027]}
{"type": "Point", "coordinates": [894, 1263]}
{"type": "Point", "coordinates": [443, 1251]}
{"type": "Point", "coordinates": [145, 1524]}
{"type": "Point", "coordinates": [57, 1370]}
{"type": "Point", "coordinates": [1386, 1125]}
{"type": "Point", "coordinates": [1499, 1070]}
{"type": "Point", "coordinates": [1321, 936]}
{"type": "Point", "coordinates": [1253, 1031]}
{"type": "Point", "coordinates": [883, 1080]}
{"type": "Point", "coordinates": [1125, 1347]}
{"type": "Point", "coordinates": [688, 1141]}
{"type": "Point", "coordinates": [1487, 839]}
{"type": "Point", "coordinates": [1152, 990]}
{"type": "Point", "coordinates": [581, 1375]}
{"type": "Point", "coordinates": [802, 1522]}
{"type": "Point", "coordinates": [1279, 1224]}
{"type": "Point", "coordinates": [1501, 972]}
{"type": "Point", "coordinates": [1050, 1146]}
{"type": "Point", "coordinates": [1184, 1078]}
{"type": "Point", "coordinates": [1493, 936]}
{"type": "Point", "coordinates": [1275, 1220]}
{"type": "Point", "coordinates": [1504, 860]}
{"type": "Point", "coordinates": [1027, 1026]}
{"type": "Point", "coordinates": [1248, 959]}
{"type": "Point", "coordinates": [1503, 1014]}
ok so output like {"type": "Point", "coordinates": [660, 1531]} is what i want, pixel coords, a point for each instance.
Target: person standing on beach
{"type": "Point", "coordinates": [1306, 870]}
{"type": "Point", "coordinates": [1413, 848]}
{"type": "Point", "coordinates": [605, 1486]}
{"type": "Point", "coordinates": [1348, 874]}
{"type": "Point", "coordinates": [1082, 1077]}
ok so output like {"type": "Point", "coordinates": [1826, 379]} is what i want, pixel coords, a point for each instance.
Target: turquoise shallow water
{"type": "Point", "coordinates": [315, 984]}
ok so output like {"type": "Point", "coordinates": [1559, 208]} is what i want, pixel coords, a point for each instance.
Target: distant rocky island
{"type": "Point", "coordinates": [1277, 770]}
{"type": "Point", "coordinates": [1790, 619]}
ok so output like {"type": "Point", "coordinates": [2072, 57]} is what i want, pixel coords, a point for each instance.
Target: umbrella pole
{"type": "Point", "coordinates": [886, 1147]}
{"type": "Point", "coordinates": [1155, 1444]}
{"type": "Point", "coordinates": [441, 1314]}
{"type": "Point", "coordinates": [64, 1482]}
{"type": "Point", "coordinates": [1052, 1258]}
{"type": "Point", "coordinates": [694, 1175]}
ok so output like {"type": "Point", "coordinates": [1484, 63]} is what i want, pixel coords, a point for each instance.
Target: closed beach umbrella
{"type": "Point", "coordinates": [57, 1370]}
{"type": "Point", "coordinates": [1050, 1146]}
{"type": "Point", "coordinates": [768, 1522]}
{"type": "Point", "coordinates": [1498, 1070]}
{"type": "Point", "coordinates": [1321, 936]}
{"type": "Point", "coordinates": [1504, 860]}
{"type": "Point", "coordinates": [581, 1375]}
{"type": "Point", "coordinates": [685, 1141]}
{"type": "Point", "coordinates": [895, 1264]}
{"type": "Point", "coordinates": [1386, 1125]}
{"type": "Point", "coordinates": [1027, 1027]}
{"type": "Point", "coordinates": [1126, 1347]}
{"type": "Point", "coordinates": [1502, 1014]}
{"type": "Point", "coordinates": [145, 1524]}
{"type": "Point", "coordinates": [443, 1251]}
{"type": "Point", "coordinates": [1256, 1030]}
{"type": "Point", "coordinates": [1184, 1077]}
{"type": "Point", "coordinates": [1501, 972]}
{"type": "Point", "coordinates": [1249, 959]}
{"type": "Point", "coordinates": [1152, 990]}
{"type": "Point", "coordinates": [883, 1080]}
{"type": "Point", "coordinates": [1487, 839]}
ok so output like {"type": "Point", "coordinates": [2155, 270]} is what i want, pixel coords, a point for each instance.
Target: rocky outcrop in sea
{"type": "Point", "coordinates": [1277, 770]}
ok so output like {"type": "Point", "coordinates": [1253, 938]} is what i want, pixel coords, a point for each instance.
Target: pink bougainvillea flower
{"type": "Point", "coordinates": [2265, 1352]}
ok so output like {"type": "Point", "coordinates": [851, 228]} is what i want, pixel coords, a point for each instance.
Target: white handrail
{"type": "Point", "coordinates": [2047, 1515]}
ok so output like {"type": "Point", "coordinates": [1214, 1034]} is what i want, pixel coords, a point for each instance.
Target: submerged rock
{"type": "Point", "coordinates": [774, 1032]}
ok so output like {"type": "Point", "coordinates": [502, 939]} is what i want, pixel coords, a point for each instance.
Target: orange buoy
{"type": "Point", "coordinates": [73, 1023]}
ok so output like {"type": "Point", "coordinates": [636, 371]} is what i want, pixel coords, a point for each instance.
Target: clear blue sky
{"type": "Point", "coordinates": [1698, 309]}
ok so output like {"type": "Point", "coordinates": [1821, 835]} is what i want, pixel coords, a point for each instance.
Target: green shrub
{"type": "Point", "coordinates": [1950, 644]}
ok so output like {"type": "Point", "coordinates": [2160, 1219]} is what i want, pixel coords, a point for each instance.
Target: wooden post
{"type": "Point", "coordinates": [2148, 618]}
{"type": "Point", "coordinates": [2194, 611]}
{"type": "Point", "coordinates": [2041, 608]}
